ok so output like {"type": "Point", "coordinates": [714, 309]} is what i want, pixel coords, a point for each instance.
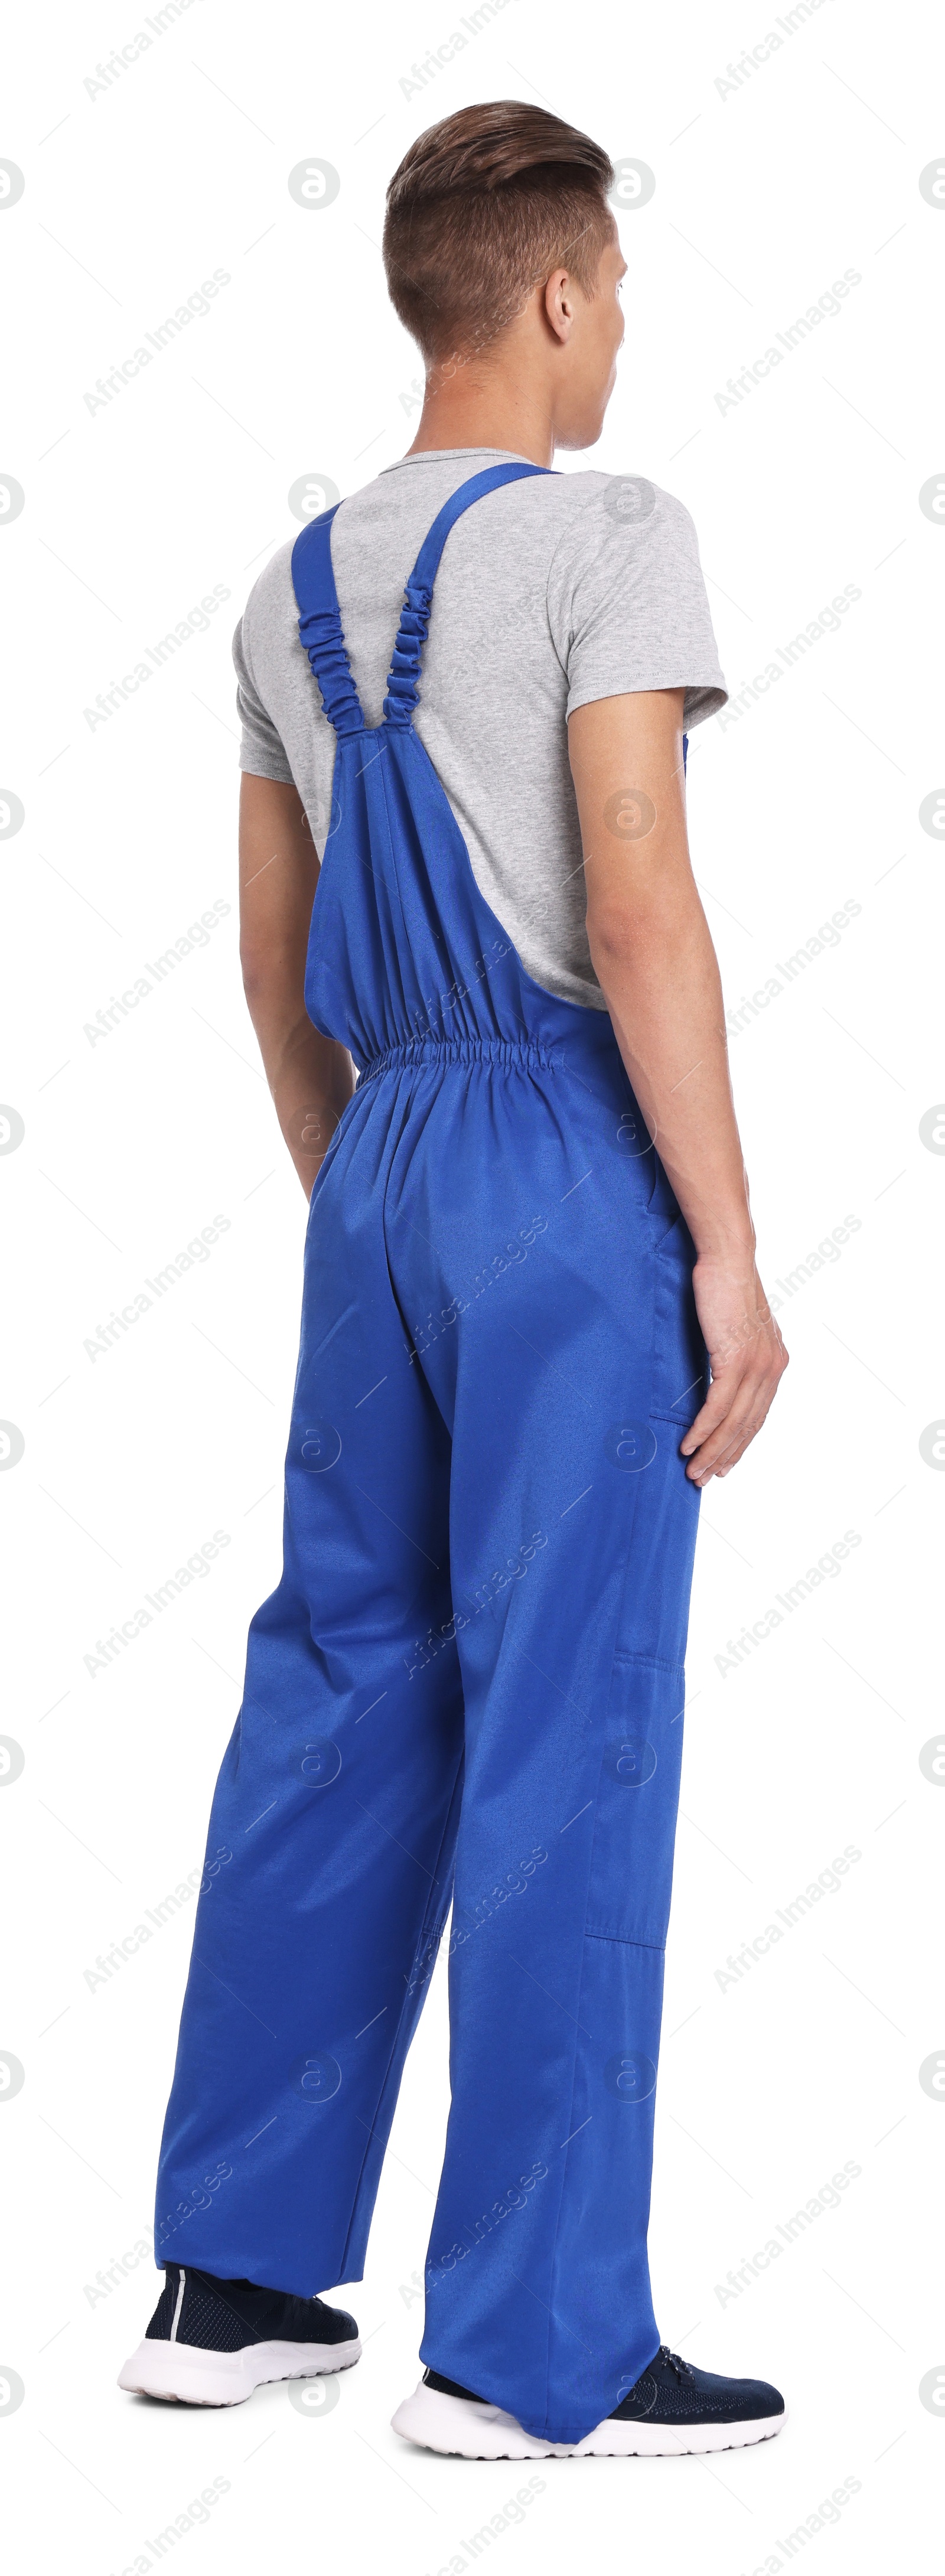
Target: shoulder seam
{"type": "Point", "coordinates": [564, 532]}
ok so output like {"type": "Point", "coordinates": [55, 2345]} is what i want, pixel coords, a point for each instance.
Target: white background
{"type": "Point", "coordinates": [809, 2060]}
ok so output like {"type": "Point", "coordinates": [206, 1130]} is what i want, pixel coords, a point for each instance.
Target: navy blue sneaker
{"type": "Point", "coordinates": [210, 2343]}
{"type": "Point", "coordinates": [672, 2408]}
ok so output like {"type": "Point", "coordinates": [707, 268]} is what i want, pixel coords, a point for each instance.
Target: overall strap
{"type": "Point", "coordinates": [403, 679]}
{"type": "Point", "coordinates": [313, 582]}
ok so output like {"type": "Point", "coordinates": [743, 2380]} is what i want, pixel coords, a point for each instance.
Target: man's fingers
{"type": "Point", "coordinates": [724, 1451]}
{"type": "Point", "coordinates": [727, 1456]}
{"type": "Point", "coordinates": [724, 1430]}
{"type": "Point", "coordinates": [748, 1359]}
{"type": "Point", "coordinates": [729, 1396]}
{"type": "Point", "coordinates": [717, 1406]}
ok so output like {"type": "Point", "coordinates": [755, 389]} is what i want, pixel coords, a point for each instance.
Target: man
{"type": "Point", "coordinates": [469, 1682]}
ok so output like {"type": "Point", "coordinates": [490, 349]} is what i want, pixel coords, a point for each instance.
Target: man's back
{"type": "Point", "coordinates": [554, 593]}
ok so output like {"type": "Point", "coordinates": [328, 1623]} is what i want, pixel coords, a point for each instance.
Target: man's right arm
{"type": "Point", "coordinates": [311, 1078]}
{"type": "Point", "coordinates": [653, 956]}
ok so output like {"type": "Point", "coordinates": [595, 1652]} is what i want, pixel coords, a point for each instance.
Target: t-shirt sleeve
{"type": "Point", "coordinates": [627, 601]}
{"type": "Point", "coordinates": [261, 751]}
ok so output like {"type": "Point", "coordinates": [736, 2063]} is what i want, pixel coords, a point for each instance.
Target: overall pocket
{"type": "Point", "coordinates": [637, 1800]}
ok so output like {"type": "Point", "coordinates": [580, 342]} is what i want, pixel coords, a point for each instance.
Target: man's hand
{"type": "Point", "coordinates": [747, 1357]}
{"type": "Point", "coordinates": [654, 959]}
{"type": "Point", "coordinates": [311, 1078]}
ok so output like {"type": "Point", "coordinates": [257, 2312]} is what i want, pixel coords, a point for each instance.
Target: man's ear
{"type": "Point", "coordinates": [559, 304]}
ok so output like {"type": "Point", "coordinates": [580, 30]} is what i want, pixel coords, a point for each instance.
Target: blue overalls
{"type": "Point", "coordinates": [469, 1681]}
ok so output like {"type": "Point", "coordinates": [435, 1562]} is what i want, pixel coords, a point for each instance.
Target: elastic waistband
{"type": "Point", "coordinates": [446, 1051]}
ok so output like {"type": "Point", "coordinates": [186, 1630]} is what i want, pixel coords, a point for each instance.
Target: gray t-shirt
{"type": "Point", "coordinates": [551, 592]}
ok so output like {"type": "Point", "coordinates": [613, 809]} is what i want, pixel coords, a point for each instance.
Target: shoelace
{"type": "Point", "coordinates": [682, 2368]}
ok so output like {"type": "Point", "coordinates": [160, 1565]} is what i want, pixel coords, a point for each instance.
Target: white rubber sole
{"type": "Point", "coordinates": [472, 2431]}
{"type": "Point", "coordinates": [197, 2378]}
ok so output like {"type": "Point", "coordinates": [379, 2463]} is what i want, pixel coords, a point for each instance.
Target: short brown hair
{"type": "Point", "coordinates": [482, 208]}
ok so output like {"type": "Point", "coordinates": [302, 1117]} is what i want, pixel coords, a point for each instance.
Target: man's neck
{"type": "Point", "coordinates": [491, 409]}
